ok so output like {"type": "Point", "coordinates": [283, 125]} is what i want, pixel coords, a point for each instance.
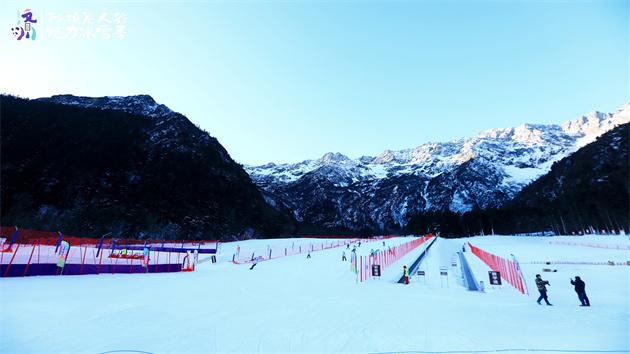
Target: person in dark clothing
{"type": "Point", "coordinates": [542, 289]}
{"type": "Point", "coordinates": [255, 262]}
{"type": "Point", "coordinates": [579, 289]}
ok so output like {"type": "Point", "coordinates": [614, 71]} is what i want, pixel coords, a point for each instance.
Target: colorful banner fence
{"type": "Point", "coordinates": [508, 269]}
{"type": "Point", "coordinates": [30, 255]}
{"type": "Point", "coordinates": [385, 258]}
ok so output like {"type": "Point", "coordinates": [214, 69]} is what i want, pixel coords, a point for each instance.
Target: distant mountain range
{"type": "Point", "coordinates": [134, 168]}
{"type": "Point", "coordinates": [384, 192]}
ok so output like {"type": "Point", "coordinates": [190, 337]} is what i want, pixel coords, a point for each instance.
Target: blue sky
{"type": "Point", "coordinates": [284, 81]}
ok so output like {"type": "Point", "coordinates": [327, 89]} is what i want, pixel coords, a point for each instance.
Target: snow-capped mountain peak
{"type": "Point", "coordinates": [385, 191]}
{"type": "Point", "coordinates": [332, 158]}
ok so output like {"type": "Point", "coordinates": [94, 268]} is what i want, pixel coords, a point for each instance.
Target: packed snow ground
{"type": "Point", "coordinates": [297, 305]}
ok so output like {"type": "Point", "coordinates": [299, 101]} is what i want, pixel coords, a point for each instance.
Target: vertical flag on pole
{"type": "Point", "coordinates": [63, 253]}
{"type": "Point", "coordinates": [145, 257]}
{"type": "Point", "coordinates": [196, 259]}
{"type": "Point", "coordinates": [353, 262]}
{"type": "Point", "coordinates": [520, 274]}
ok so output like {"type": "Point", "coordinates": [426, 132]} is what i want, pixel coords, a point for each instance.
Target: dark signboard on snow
{"type": "Point", "coordinates": [443, 271]}
{"type": "Point", "coordinates": [421, 272]}
{"type": "Point", "coordinates": [495, 278]}
{"type": "Point", "coordinates": [214, 259]}
{"type": "Point", "coordinates": [376, 270]}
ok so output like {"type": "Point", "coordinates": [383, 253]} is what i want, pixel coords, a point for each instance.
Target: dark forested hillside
{"type": "Point", "coordinates": [90, 171]}
{"type": "Point", "coordinates": [584, 192]}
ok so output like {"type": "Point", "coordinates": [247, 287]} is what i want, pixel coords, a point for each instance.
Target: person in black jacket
{"type": "Point", "coordinates": [579, 289]}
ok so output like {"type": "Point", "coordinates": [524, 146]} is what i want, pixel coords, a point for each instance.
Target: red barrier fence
{"type": "Point", "coordinates": [609, 263]}
{"type": "Point", "coordinates": [386, 258]}
{"type": "Point", "coordinates": [596, 245]}
{"type": "Point", "coordinates": [507, 269]}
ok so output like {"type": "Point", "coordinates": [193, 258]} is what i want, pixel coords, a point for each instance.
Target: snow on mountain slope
{"type": "Point", "coordinates": [385, 191]}
{"type": "Point", "coordinates": [138, 104]}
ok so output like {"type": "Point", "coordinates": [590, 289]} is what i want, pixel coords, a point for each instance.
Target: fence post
{"type": "Point", "coordinates": [83, 261]}
{"type": "Point", "coordinates": [29, 259]}
{"type": "Point", "coordinates": [98, 270]}
{"type": "Point", "coordinates": [9, 266]}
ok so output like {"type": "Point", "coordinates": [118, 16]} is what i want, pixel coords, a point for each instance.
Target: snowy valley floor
{"type": "Point", "coordinates": [297, 305]}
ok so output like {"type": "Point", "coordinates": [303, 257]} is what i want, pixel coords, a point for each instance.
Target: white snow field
{"type": "Point", "coordinates": [297, 305]}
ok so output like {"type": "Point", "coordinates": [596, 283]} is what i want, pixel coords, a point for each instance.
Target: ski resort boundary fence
{"type": "Point", "coordinates": [509, 270]}
{"type": "Point", "coordinates": [385, 258]}
{"type": "Point", "coordinates": [596, 245]}
{"type": "Point", "coordinates": [29, 253]}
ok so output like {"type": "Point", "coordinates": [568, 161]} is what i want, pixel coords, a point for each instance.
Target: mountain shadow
{"type": "Point", "coordinates": [89, 171]}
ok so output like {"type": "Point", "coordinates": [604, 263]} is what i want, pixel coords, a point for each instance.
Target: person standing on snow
{"type": "Point", "coordinates": [343, 257]}
{"type": "Point", "coordinates": [309, 254]}
{"type": "Point", "coordinates": [542, 289]}
{"type": "Point", "coordinates": [406, 274]}
{"type": "Point", "coordinates": [579, 289]}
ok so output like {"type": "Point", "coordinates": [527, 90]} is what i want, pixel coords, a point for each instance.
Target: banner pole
{"type": "Point", "coordinates": [13, 238]}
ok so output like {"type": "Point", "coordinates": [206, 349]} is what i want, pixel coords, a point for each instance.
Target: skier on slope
{"type": "Point", "coordinates": [343, 256]}
{"type": "Point", "coordinates": [255, 262]}
{"type": "Point", "coordinates": [406, 274]}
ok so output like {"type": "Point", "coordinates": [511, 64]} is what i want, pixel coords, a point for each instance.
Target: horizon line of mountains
{"type": "Point", "coordinates": [133, 167]}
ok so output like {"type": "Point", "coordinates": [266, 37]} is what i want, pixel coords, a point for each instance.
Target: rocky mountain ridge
{"type": "Point", "coordinates": [383, 192]}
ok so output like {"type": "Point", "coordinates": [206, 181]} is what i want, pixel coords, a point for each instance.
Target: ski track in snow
{"type": "Point", "coordinates": [295, 305]}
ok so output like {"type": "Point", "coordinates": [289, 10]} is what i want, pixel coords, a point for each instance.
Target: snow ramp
{"type": "Point", "coordinates": [470, 282]}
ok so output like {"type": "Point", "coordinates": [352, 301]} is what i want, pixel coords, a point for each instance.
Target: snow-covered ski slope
{"type": "Point", "coordinates": [297, 305]}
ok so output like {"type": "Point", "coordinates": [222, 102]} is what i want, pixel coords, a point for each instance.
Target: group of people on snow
{"type": "Point", "coordinates": [578, 283]}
